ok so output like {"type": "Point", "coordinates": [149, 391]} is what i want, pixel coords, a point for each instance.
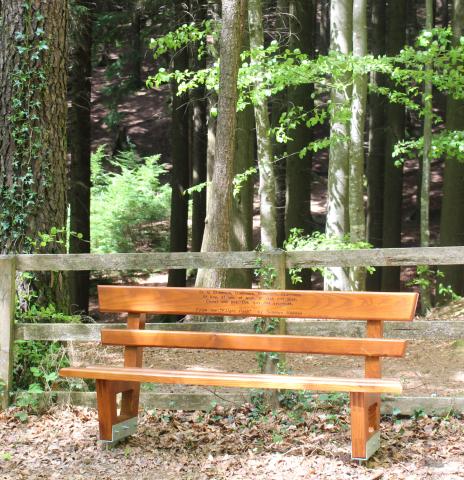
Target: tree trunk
{"type": "Point", "coordinates": [324, 27]}
{"type": "Point", "coordinates": [376, 157]}
{"type": "Point", "coordinates": [278, 104]}
{"type": "Point", "coordinates": [217, 230]}
{"type": "Point", "coordinates": [241, 226]}
{"type": "Point", "coordinates": [452, 209]}
{"type": "Point", "coordinates": [198, 143]}
{"type": "Point", "coordinates": [33, 115]}
{"type": "Point", "coordinates": [267, 182]}
{"type": "Point", "coordinates": [136, 53]}
{"type": "Point", "coordinates": [298, 170]}
{"type": "Point", "coordinates": [357, 214]}
{"type": "Point", "coordinates": [393, 176]}
{"type": "Point", "coordinates": [341, 12]}
{"type": "Point", "coordinates": [426, 302]}
{"type": "Point", "coordinates": [180, 163]}
{"type": "Point", "coordinates": [79, 143]}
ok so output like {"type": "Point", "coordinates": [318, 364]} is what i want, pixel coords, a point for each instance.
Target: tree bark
{"type": "Point", "coordinates": [198, 143]}
{"type": "Point", "coordinates": [357, 216]}
{"type": "Point", "coordinates": [180, 163]}
{"type": "Point", "coordinates": [393, 176]}
{"type": "Point", "coordinates": [298, 170]}
{"type": "Point", "coordinates": [267, 181]}
{"type": "Point", "coordinates": [33, 182]}
{"type": "Point", "coordinates": [452, 209]}
{"type": "Point", "coordinates": [241, 226]}
{"type": "Point", "coordinates": [376, 156]}
{"type": "Point", "coordinates": [217, 230]}
{"type": "Point", "coordinates": [341, 29]}
{"type": "Point", "coordinates": [426, 301]}
{"type": "Point", "coordinates": [136, 53]}
{"type": "Point", "coordinates": [79, 142]}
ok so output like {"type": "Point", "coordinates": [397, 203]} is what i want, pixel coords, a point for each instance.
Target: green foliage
{"type": "Point", "coordinates": [240, 179]}
{"type": "Point", "coordinates": [127, 204]}
{"type": "Point", "coordinates": [48, 314]}
{"type": "Point", "coordinates": [181, 37]}
{"type": "Point", "coordinates": [318, 241]}
{"type": "Point", "coordinates": [35, 371]}
{"type": "Point", "coordinates": [274, 69]}
{"type": "Point", "coordinates": [18, 192]}
{"type": "Point", "coordinates": [428, 278]}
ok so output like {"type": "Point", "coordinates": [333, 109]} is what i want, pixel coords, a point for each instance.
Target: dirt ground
{"type": "Point", "coordinates": [226, 444]}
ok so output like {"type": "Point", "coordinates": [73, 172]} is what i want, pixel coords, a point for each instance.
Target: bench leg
{"type": "Point", "coordinates": [365, 425]}
{"type": "Point", "coordinates": [114, 427]}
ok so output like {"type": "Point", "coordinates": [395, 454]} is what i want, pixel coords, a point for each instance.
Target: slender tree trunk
{"type": "Point", "coordinates": [358, 116]}
{"type": "Point", "coordinates": [80, 148]}
{"type": "Point", "coordinates": [217, 230]}
{"type": "Point", "coordinates": [198, 144]}
{"type": "Point", "coordinates": [212, 100]}
{"type": "Point", "coordinates": [324, 27]}
{"type": "Point", "coordinates": [452, 209]}
{"type": "Point", "coordinates": [341, 29]}
{"type": "Point", "coordinates": [395, 122]}
{"type": "Point", "coordinates": [33, 181]}
{"type": "Point", "coordinates": [180, 164]}
{"type": "Point", "coordinates": [267, 182]}
{"type": "Point", "coordinates": [278, 104]}
{"type": "Point", "coordinates": [136, 53]}
{"type": "Point", "coordinates": [376, 157]}
{"type": "Point", "coordinates": [426, 301]}
{"type": "Point", "coordinates": [298, 170]}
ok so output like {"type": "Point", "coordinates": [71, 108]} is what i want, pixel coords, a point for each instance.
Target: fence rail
{"type": "Point", "coordinates": [10, 264]}
{"type": "Point", "coordinates": [380, 257]}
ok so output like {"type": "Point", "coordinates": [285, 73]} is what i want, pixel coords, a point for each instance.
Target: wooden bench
{"type": "Point", "coordinates": [364, 392]}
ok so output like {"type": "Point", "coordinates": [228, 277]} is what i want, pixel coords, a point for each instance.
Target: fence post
{"type": "Point", "coordinates": [7, 307]}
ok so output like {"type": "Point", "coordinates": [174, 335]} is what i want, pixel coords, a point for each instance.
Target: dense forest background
{"type": "Point", "coordinates": [133, 126]}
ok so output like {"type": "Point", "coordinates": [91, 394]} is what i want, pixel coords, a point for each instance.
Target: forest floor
{"type": "Point", "coordinates": [227, 444]}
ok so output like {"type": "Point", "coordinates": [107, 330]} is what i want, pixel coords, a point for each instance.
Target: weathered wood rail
{"type": "Point", "coordinates": [10, 264]}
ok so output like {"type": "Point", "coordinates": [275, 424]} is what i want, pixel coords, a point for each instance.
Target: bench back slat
{"type": "Point", "coordinates": [259, 303]}
{"type": "Point", "coordinates": [255, 342]}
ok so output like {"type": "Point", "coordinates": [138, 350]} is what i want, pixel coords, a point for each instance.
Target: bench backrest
{"type": "Point", "coordinates": [374, 307]}
{"type": "Point", "coordinates": [259, 303]}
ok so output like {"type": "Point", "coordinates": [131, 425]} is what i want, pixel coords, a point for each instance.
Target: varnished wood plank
{"type": "Point", "coordinates": [257, 343]}
{"type": "Point", "coordinates": [107, 410]}
{"type": "Point", "coordinates": [133, 357]}
{"type": "Point", "coordinates": [359, 424]}
{"type": "Point", "coordinates": [7, 307]}
{"type": "Point", "coordinates": [439, 330]}
{"type": "Point", "coordinates": [263, 303]}
{"type": "Point", "coordinates": [243, 380]}
{"type": "Point", "coordinates": [373, 369]}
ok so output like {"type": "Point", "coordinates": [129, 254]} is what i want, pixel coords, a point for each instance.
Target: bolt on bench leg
{"type": "Point", "coordinates": [114, 427]}
{"type": "Point", "coordinates": [365, 419]}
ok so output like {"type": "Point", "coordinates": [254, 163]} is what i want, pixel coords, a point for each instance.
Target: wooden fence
{"type": "Point", "coordinates": [280, 260]}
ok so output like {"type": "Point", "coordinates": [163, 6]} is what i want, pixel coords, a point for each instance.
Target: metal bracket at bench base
{"type": "Point", "coordinates": [120, 431]}
{"type": "Point", "coordinates": [372, 445]}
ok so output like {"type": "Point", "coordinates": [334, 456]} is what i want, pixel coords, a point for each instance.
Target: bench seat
{"type": "Point", "coordinates": [245, 380]}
